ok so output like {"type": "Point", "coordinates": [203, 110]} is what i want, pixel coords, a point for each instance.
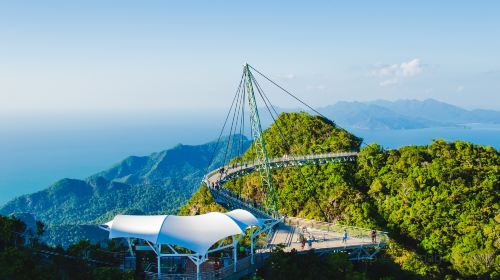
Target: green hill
{"type": "Point", "coordinates": [159, 183]}
{"type": "Point", "coordinates": [439, 202]}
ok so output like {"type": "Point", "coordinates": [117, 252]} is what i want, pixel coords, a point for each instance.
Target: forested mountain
{"type": "Point", "coordinates": [158, 183]}
{"type": "Point", "coordinates": [439, 202]}
{"type": "Point", "coordinates": [372, 116]}
{"type": "Point", "coordinates": [432, 109]}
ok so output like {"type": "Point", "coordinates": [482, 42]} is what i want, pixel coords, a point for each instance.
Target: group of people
{"type": "Point", "coordinates": [373, 235]}
{"type": "Point", "coordinates": [303, 240]}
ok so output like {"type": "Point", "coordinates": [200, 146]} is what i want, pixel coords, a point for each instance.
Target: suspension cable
{"type": "Point", "coordinates": [231, 134]}
{"type": "Point", "coordinates": [287, 92]}
{"type": "Point", "coordinates": [287, 145]}
{"type": "Point", "coordinates": [224, 126]}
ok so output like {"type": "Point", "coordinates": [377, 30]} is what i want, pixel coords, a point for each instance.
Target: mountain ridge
{"type": "Point", "coordinates": [405, 114]}
{"type": "Point", "coordinates": [154, 184]}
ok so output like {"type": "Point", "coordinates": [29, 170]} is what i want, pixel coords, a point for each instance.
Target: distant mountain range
{"type": "Point", "coordinates": [158, 183]}
{"type": "Point", "coordinates": [405, 114]}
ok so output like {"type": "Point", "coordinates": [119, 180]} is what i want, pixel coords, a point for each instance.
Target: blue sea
{"type": "Point", "coordinates": [36, 153]}
{"type": "Point", "coordinates": [482, 134]}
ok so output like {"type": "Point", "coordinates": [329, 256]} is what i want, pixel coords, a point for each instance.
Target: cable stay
{"type": "Point", "coordinates": [249, 94]}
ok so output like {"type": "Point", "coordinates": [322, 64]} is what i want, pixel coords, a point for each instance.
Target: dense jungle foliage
{"type": "Point", "coordinates": [21, 256]}
{"type": "Point", "coordinates": [439, 202]}
{"type": "Point", "coordinates": [312, 266]}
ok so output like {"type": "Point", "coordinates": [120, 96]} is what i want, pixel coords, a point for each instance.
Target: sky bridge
{"type": "Point", "coordinates": [197, 239]}
{"type": "Point", "coordinates": [231, 171]}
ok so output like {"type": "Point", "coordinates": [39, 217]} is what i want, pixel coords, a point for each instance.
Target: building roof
{"type": "Point", "coordinates": [196, 233]}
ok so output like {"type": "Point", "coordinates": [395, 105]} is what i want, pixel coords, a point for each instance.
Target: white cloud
{"type": "Point", "coordinates": [393, 74]}
{"type": "Point", "coordinates": [459, 88]}
{"type": "Point", "coordinates": [411, 68]}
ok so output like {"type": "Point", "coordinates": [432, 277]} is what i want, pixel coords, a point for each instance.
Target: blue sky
{"type": "Point", "coordinates": [141, 56]}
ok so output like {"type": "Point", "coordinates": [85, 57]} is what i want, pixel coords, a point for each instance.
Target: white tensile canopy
{"type": "Point", "coordinates": [196, 233]}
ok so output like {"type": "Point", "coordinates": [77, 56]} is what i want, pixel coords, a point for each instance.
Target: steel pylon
{"type": "Point", "coordinates": [259, 142]}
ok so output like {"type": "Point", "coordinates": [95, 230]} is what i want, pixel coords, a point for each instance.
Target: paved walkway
{"type": "Point", "coordinates": [289, 236]}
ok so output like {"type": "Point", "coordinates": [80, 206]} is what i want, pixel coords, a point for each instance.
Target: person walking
{"type": "Point", "coordinates": [302, 241]}
{"type": "Point", "coordinates": [310, 242]}
{"type": "Point", "coordinates": [344, 236]}
{"type": "Point", "coordinates": [374, 236]}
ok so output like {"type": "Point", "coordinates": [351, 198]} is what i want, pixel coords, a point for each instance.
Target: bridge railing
{"type": "Point", "coordinates": [352, 232]}
{"type": "Point", "coordinates": [250, 164]}
{"type": "Point", "coordinates": [222, 273]}
{"type": "Point", "coordinates": [248, 203]}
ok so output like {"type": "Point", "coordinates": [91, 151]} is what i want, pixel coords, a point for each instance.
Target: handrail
{"type": "Point", "coordinates": [225, 192]}
{"type": "Point", "coordinates": [221, 273]}
{"type": "Point", "coordinates": [285, 158]}
{"type": "Point", "coordinates": [357, 232]}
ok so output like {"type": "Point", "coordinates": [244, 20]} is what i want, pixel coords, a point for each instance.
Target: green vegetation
{"type": "Point", "coordinates": [439, 202]}
{"type": "Point", "coordinates": [309, 266]}
{"type": "Point", "coordinates": [443, 198]}
{"type": "Point", "coordinates": [201, 202]}
{"type": "Point", "coordinates": [22, 257]}
{"type": "Point", "coordinates": [156, 184]}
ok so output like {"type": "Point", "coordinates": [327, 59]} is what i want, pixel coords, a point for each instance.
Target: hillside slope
{"type": "Point", "coordinates": [159, 183]}
{"type": "Point", "coordinates": [309, 191]}
{"type": "Point", "coordinates": [440, 202]}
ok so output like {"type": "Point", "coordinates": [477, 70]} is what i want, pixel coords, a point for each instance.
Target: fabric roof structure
{"type": "Point", "coordinates": [196, 233]}
{"type": "Point", "coordinates": [245, 219]}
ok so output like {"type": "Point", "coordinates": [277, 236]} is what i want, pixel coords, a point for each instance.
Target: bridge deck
{"type": "Point", "coordinates": [322, 240]}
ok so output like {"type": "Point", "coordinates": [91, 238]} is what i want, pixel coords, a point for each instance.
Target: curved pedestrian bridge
{"type": "Point", "coordinates": [324, 237]}
{"type": "Point", "coordinates": [226, 173]}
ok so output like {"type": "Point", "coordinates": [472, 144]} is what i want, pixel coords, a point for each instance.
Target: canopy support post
{"type": "Point", "coordinates": [251, 245]}
{"type": "Point", "coordinates": [130, 247]}
{"type": "Point", "coordinates": [235, 254]}
{"type": "Point", "coordinates": [159, 261]}
{"type": "Point", "coordinates": [235, 250]}
{"type": "Point", "coordinates": [198, 262]}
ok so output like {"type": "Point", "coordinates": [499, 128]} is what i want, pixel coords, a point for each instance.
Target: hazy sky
{"type": "Point", "coordinates": [143, 56]}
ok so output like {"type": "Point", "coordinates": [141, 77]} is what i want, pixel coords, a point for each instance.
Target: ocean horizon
{"type": "Point", "coordinates": [35, 158]}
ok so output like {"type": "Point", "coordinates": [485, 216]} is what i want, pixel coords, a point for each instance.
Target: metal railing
{"type": "Point", "coordinates": [230, 168]}
{"type": "Point", "coordinates": [231, 197]}
{"type": "Point", "coordinates": [231, 171]}
{"type": "Point", "coordinates": [353, 232]}
{"type": "Point", "coordinates": [222, 273]}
